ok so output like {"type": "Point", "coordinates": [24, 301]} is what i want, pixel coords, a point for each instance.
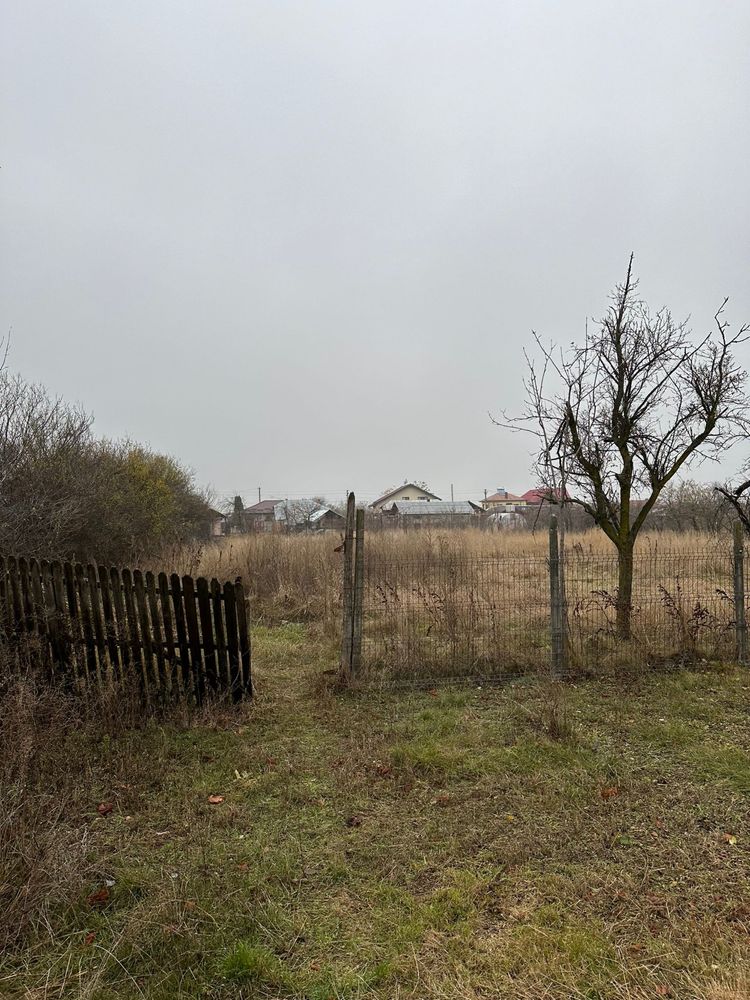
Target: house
{"type": "Point", "coordinates": [216, 523]}
{"type": "Point", "coordinates": [261, 516]}
{"type": "Point", "coordinates": [408, 493]}
{"type": "Point", "coordinates": [326, 519]}
{"type": "Point", "coordinates": [502, 500]}
{"type": "Point", "coordinates": [542, 494]}
{"type": "Point", "coordinates": [436, 514]}
{"type": "Point", "coordinates": [302, 515]}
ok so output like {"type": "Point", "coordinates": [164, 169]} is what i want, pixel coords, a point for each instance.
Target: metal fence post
{"type": "Point", "coordinates": [557, 632]}
{"type": "Point", "coordinates": [348, 589]}
{"type": "Point", "coordinates": [740, 622]}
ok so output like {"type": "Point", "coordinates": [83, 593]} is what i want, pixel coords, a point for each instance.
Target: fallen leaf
{"type": "Point", "coordinates": [90, 938]}
{"type": "Point", "coordinates": [354, 821]}
{"type": "Point", "coordinates": [609, 793]}
{"type": "Point", "coordinates": [728, 838]}
{"type": "Point", "coordinates": [99, 898]}
{"type": "Point", "coordinates": [190, 904]}
{"type": "Point", "coordinates": [243, 866]}
{"type": "Point", "coordinates": [510, 817]}
{"type": "Point", "coordinates": [104, 807]}
{"type": "Point", "coordinates": [215, 800]}
{"type": "Point", "coordinates": [442, 800]}
{"type": "Point", "coordinates": [432, 692]}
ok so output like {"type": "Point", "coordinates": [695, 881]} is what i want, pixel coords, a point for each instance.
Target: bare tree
{"type": "Point", "coordinates": [65, 493]}
{"type": "Point", "coordinates": [298, 513]}
{"type": "Point", "coordinates": [620, 415]}
{"type": "Point", "coordinates": [688, 505]}
{"type": "Point", "coordinates": [44, 449]}
{"type": "Point", "coordinates": [737, 496]}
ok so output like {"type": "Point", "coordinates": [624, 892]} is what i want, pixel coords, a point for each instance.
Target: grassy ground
{"type": "Point", "coordinates": [512, 842]}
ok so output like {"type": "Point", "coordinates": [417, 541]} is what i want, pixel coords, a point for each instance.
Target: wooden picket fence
{"type": "Point", "coordinates": [175, 636]}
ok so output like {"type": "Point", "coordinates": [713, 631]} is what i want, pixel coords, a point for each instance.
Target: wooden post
{"type": "Point", "coordinates": [357, 604]}
{"type": "Point", "coordinates": [348, 589]}
{"type": "Point", "coordinates": [233, 645]}
{"type": "Point", "coordinates": [557, 633]}
{"type": "Point", "coordinates": [740, 621]}
{"type": "Point", "coordinates": [244, 630]}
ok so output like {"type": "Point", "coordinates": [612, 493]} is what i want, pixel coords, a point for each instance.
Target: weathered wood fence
{"type": "Point", "coordinates": [175, 636]}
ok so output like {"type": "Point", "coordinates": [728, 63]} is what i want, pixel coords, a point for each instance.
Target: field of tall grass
{"type": "Point", "coordinates": [470, 602]}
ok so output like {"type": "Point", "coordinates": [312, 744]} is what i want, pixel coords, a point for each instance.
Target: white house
{"type": "Point", "coordinates": [406, 493]}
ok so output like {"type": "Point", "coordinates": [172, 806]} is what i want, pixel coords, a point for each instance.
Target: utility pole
{"type": "Point", "coordinates": [259, 494]}
{"type": "Point", "coordinates": [451, 492]}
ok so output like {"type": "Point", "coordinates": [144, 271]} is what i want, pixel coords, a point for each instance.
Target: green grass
{"type": "Point", "coordinates": [415, 845]}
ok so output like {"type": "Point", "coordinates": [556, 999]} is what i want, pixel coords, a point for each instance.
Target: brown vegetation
{"type": "Point", "coordinates": [65, 493]}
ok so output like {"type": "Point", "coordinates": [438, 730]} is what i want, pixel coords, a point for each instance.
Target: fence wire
{"type": "Point", "coordinates": [449, 615]}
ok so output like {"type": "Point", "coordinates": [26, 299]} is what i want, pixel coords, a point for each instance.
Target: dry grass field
{"type": "Point", "coordinates": [475, 603]}
{"type": "Point", "coordinates": [526, 842]}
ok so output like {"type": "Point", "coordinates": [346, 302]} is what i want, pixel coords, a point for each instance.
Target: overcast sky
{"type": "Point", "coordinates": [302, 245]}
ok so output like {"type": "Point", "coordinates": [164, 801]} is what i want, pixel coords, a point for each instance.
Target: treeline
{"type": "Point", "coordinates": [66, 493]}
{"type": "Point", "coordinates": [682, 506]}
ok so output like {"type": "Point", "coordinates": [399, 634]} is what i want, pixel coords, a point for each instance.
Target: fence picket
{"type": "Point", "coordinates": [110, 625]}
{"type": "Point", "coordinates": [47, 593]}
{"type": "Point", "coordinates": [39, 621]}
{"type": "Point", "coordinates": [170, 666]}
{"type": "Point", "coordinates": [141, 610]}
{"type": "Point", "coordinates": [158, 643]}
{"type": "Point", "coordinates": [62, 618]}
{"type": "Point", "coordinates": [136, 653]}
{"type": "Point", "coordinates": [220, 640]}
{"type": "Point", "coordinates": [181, 631]}
{"type": "Point", "coordinates": [122, 627]}
{"type": "Point", "coordinates": [84, 598]}
{"type": "Point", "coordinates": [92, 577]}
{"type": "Point", "coordinates": [207, 632]}
{"type": "Point", "coordinates": [194, 638]}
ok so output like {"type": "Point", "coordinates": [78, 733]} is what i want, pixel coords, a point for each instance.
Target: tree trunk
{"type": "Point", "coordinates": [624, 589]}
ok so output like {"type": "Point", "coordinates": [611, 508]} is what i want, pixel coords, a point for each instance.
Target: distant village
{"type": "Point", "coordinates": [410, 505]}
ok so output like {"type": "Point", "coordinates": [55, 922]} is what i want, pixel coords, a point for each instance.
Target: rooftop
{"type": "Point", "coordinates": [263, 507]}
{"type": "Point", "coordinates": [397, 489]}
{"type": "Point", "coordinates": [435, 507]}
{"type": "Point", "coordinates": [502, 496]}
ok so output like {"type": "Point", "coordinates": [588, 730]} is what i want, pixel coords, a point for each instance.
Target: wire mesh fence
{"type": "Point", "coordinates": [450, 615]}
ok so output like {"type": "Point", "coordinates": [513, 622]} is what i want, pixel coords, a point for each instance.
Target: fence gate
{"type": "Point", "coordinates": [175, 636]}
